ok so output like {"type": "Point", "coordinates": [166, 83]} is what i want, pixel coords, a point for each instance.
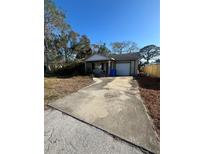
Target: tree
{"type": "Point", "coordinates": [149, 52]}
{"type": "Point", "coordinates": [118, 47]}
{"type": "Point", "coordinates": [73, 40]}
{"type": "Point", "coordinates": [55, 32]}
{"type": "Point", "coordinates": [51, 49]}
{"type": "Point", "coordinates": [100, 48]}
{"type": "Point", "coordinates": [54, 19]}
{"type": "Point", "coordinates": [61, 43]}
{"type": "Point", "coordinates": [103, 50]}
{"type": "Point", "coordinates": [131, 47]}
{"type": "Point", "coordinates": [83, 48]}
{"type": "Point", "coordinates": [124, 47]}
{"type": "Point", "coordinates": [157, 61]}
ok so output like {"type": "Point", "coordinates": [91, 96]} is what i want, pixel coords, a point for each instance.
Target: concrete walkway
{"type": "Point", "coordinates": [114, 106]}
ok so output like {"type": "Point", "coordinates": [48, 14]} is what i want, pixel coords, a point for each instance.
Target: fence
{"type": "Point", "coordinates": [152, 70]}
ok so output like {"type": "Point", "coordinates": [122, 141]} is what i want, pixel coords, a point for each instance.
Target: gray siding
{"type": "Point", "coordinates": [132, 69]}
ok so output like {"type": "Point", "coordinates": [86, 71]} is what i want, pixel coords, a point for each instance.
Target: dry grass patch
{"type": "Point", "coordinates": [55, 88]}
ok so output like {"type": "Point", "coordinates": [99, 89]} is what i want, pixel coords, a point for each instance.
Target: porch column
{"type": "Point", "coordinates": [109, 67]}
{"type": "Point", "coordinates": [85, 68]}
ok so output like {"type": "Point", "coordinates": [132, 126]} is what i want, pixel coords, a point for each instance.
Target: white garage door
{"type": "Point", "coordinates": [123, 68]}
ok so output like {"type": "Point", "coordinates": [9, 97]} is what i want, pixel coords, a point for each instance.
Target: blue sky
{"type": "Point", "coordinates": [114, 20]}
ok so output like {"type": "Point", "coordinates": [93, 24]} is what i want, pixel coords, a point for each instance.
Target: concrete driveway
{"type": "Point", "coordinates": [112, 105]}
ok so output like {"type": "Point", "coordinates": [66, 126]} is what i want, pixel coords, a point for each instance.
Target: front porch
{"type": "Point", "coordinates": [101, 68]}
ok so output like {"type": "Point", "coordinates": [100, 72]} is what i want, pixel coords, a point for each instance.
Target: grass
{"type": "Point", "coordinates": [55, 88]}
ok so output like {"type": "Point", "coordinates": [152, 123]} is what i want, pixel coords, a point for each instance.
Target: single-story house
{"type": "Point", "coordinates": [123, 64]}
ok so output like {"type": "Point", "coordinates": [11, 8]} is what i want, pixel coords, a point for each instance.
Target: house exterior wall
{"type": "Point", "coordinates": [136, 67]}
{"type": "Point", "coordinates": [133, 66]}
{"type": "Point", "coordinates": [89, 67]}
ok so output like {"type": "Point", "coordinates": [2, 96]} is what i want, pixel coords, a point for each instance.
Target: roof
{"type": "Point", "coordinates": [97, 57]}
{"type": "Point", "coordinates": [127, 56]}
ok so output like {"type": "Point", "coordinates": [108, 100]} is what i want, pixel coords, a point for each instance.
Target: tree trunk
{"type": "Point", "coordinates": [46, 54]}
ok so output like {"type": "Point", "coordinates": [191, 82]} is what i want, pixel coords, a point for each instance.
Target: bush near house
{"type": "Point", "coordinates": [75, 68]}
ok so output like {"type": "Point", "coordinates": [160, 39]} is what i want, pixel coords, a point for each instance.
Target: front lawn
{"type": "Point", "coordinates": [55, 88]}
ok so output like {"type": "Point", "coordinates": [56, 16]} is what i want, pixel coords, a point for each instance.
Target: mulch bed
{"type": "Point", "coordinates": [150, 93]}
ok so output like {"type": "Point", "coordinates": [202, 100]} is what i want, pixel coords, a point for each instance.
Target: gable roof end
{"type": "Point", "coordinates": [97, 57]}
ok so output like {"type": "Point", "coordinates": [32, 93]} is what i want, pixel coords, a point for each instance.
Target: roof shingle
{"type": "Point", "coordinates": [127, 56]}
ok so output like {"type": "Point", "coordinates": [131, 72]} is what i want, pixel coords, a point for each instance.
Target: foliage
{"type": "Point", "coordinates": [100, 48]}
{"type": "Point", "coordinates": [54, 19]}
{"type": "Point", "coordinates": [149, 52]}
{"type": "Point", "coordinates": [62, 46]}
{"type": "Point", "coordinates": [83, 48]}
{"type": "Point", "coordinates": [55, 31]}
{"type": "Point", "coordinates": [131, 47]}
{"type": "Point", "coordinates": [124, 47]}
{"type": "Point", "coordinates": [157, 61]}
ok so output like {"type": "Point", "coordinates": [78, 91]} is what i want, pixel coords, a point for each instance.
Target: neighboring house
{"type": "Point", "coordinates": [124, 64]}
